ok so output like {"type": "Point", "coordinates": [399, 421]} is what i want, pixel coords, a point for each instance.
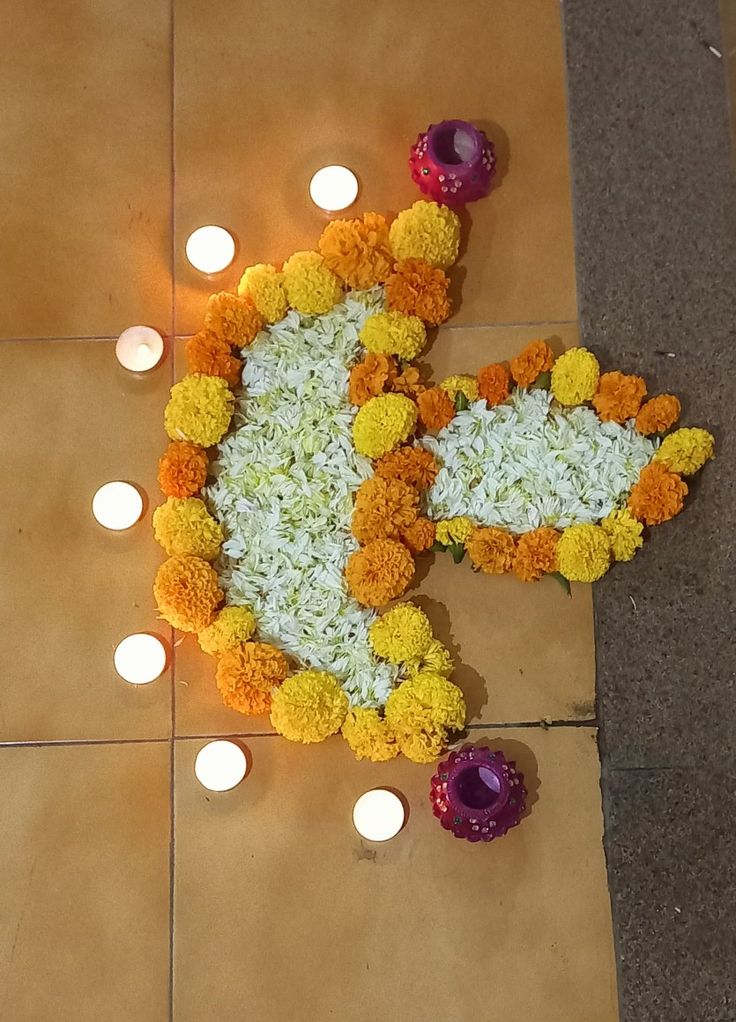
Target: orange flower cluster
{"type": "Point", "coordinates": [619, 397]}
{"type": "Point", "coordinates": [383, 509]}
{"type": "Point", "coordinates": [182, 470]}
{"type": "Point", "coordinates": [369, 377]}
{"type": "Point", "coordinates": [358, 251]}
{"type": "Point", "coordinates": [378, 572]}
{"type": "Point", "coordinates": [536, 554]}
{"type": "Point", "coordinates": [536, 358]}
{"type": "Point", "coordinates": [658, 495]}
{"type": "Point", "coordinates": [436, 408]}
{"type": "Point", "coordinates": [409, 382]}
{"type": "Point", "coordinates": [412, 465]}
{"type": "Point", "coordinates": [419, 536]}
{"type": "Point", "coordinates": [247, 673]}
{"type": "Point", "coordinates": [658, 414]}
{"type": "Point", "coordinates": [212, 355]}
{"type": "Point", "coordinates": [493, 383]}
{"type": "Point", "coordinates": [418, 289]}
{"type": "Point", "coordinates": [232, 319]}
{"type": "Point", "coordinates": [491, 549]}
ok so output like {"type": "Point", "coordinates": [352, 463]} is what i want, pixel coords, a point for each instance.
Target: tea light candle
{"type": "Point", "coordinates": [210, 249]}
{"type": "Point", "coordinates": [333, 188]}
{"type": "Point", "coordinates": [220, 765]}
{"type": "Point", "coordinates": [117, 505]}
{"type": "Point", "coordinates": [140, 658]}
{"type": "Point", "coordinates": [378, 815]}
{"type": "Point", "coordinates": [139, 348]}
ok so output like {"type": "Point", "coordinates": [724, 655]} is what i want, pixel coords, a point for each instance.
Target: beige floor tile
{"type": "Point", "coordinates": [84, 926]}
{"type": "Point", "coordinates": [73, 419]}
{"type": "Point", "coordinates": [86, 199]}
{"type": "Point", "coordinates": [282, 911]}
{"type": "Point", "coordinates": [266, 93]}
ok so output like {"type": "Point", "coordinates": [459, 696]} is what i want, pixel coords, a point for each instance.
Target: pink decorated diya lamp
{"type": "Point", "coordinates": [453, 162]}
{"type": "Point", "coordinates": [478, 794]}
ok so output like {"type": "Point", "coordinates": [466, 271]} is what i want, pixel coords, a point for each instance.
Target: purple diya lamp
{"type": "Point", "coordinates": [477, 794]}
{"type": "Point", "coordinates": [453, 162]}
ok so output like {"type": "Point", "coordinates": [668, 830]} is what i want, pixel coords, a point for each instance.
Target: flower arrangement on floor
{"type": "Point", "coordinates": [338, 465]}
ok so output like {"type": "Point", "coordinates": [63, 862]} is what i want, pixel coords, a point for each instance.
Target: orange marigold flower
{"type": "Point", "coordinates": [419, 536]}
{"type": "Point", "coordinates": [658, 495]}
{"type": "Point", "coordinates": [536, 554]}
{"type": "Point", "coordinates": [493, 383]}
{"type": "Point", "coordinates": [409, 382]}
{"type": "Point", "coordinates": [370, 376]}
{"type": "Point", "coordinates": [358, 250]}
{"type": "Point", "coordinates": [436, 408]}
{"type": "Point", "coordinates": [383, 507]}
{"type": "Point", "coordinates": [413, 465]}
{"type": "Point", "coordinates": [211, 355]}
{"type": "Point", "coordinates": [537, 357]}
{"type": "Point", "coordinates": [379, 572]}
{"type": "Point", "coordinates": [418, 289]}
{"type": "Point", "coordinates": [187, 592]}
{"type": "Point", "coordinates": [618, 397]}
{"type": "Point", "coordinates": [491, 550]}
{"type": "Point", "coordinates": [232, 318]}
{"type": "Point", "coordinates": [182, 470]}
{"type": "Point", "coordinates": [658, 414]}
{"type": "Point", "coordinates": [247, 673]}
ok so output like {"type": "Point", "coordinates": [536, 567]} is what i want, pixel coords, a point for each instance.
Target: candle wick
{"type": "Point", "coordinates": [145, 349]}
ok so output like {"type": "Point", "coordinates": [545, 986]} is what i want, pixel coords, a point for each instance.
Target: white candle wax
{"type": "Point", "coordinates": [333, 188]}
{"type": "Point", "coordinates": [210, 249]}
{"type": "Point", "coordinates": [140, 658]}
{"type": "Point", "coordinates": [378, 815]}
{"type": "Point", "coordinates": [117, 505]}
{"type": "Point", "coordinates": [139, 348]}
{"type": "Point", "coordinates": [220, 765]}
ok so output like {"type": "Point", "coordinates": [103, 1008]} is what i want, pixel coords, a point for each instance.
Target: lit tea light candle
{"type": "Point", "coordinates": [220, 765]}
{"type": "Point", "coordinates": [140, 658]}
{"type": "Point", "coordinates": [210, 249]}
{"type": "Point", "coordinates": [378, 815]}
{"type": "Point", "coordinates": [333, 188]}
{"type": "Point", "coordinates": [117, 505]}
{"type": "Point", "coordinates": [139, 348]}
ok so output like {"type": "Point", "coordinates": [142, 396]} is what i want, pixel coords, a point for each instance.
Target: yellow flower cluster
{"type": "Point", "coordinates": [369, 736]}
{"type": "Point", "coordinates": [575, 376]}
{"type": "Point", "coordinates": [454, 530]}
{"type": "Point", "coordinates": [624, 534]}
{"type": "Point", "coordinates": [436, 658]}
{"type": "Point", "coordinates": [421, 712]}
{"type": "Point", "coordinates": [583, 553]}
{"type": "Point", "coordinates": [185, 526]}
{"type": "Point", "coordinates": [232, 626]}
{"type": "Point", "coordinates": [309, 707]}
{"type": "Point", "coordinates": [426, 231]}
{"type": "Point", "coordinates": [311, 287]}
{"type": "Point", "coordinates": [264, 285]}
{"type": "Point", "coordinates": [402, 633]}
{"type": "Point", "coordinates": [468, 385]}
{"type": "Point", "coordinates": [393, 333]}
{"type": "Point", "coordinates": [686, 450]}
{"type": "Point", "coordinates": [383, 423]}
{"type": "Point", "coordinates": [199, 410]}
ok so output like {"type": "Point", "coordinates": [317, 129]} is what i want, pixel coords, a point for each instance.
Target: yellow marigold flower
{"type": "Point", "coordinates": [624, 534]}
{"type": "Point", "coordinates": [468, 385]}
{"type": "Point", "coordinates": [575, 376]}
{"type": "Point", "coordinates": [187, 593]}
{"type": "Point", "coordinates": [311, 287]}
{"type": "Point", "coordinates": [232, 626]}
{"type": "Point", "coordinates": [583, 553]}
{"type": "Point", "coordinates": [426, 231]}
{"type": "Point", "coordinates": [402, 633]}
{"type": "Point", "coordinates": [393, 333]}
{"type": "Point", "coordinates": [436, 659]}
{"type": "Point", "coordinates": [358, 250]}
{"type": "Point", "coordinates": [455, 530]}
{"type": "Point", "coordinates": [368, 735]}
{"type": "Point", "coordinates": [421, 712]}
{"type": "Point", "coordinates": [383, 423]}
{"type": "Point", "coordinates": [686, 450]}
{"type": "Point", "coordinates": [308, 707]}
{"type": "Point", "coordinates": [199, 410]}
{"type": "Point", "coordinates": [185, 526]}
{"type": "Point", "coordinates": [232, 318]}
{"type": "Point", "coordinates": [264, 285]}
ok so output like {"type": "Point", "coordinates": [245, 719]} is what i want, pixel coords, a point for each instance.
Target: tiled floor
{"type": "Point", "coordinates": [277, 909]}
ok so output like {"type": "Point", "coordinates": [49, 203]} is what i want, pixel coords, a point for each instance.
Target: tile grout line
{"type": "Point", "coordinates": [67, 742]}
{"type": "Point", "coordinates": [172, 743]}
